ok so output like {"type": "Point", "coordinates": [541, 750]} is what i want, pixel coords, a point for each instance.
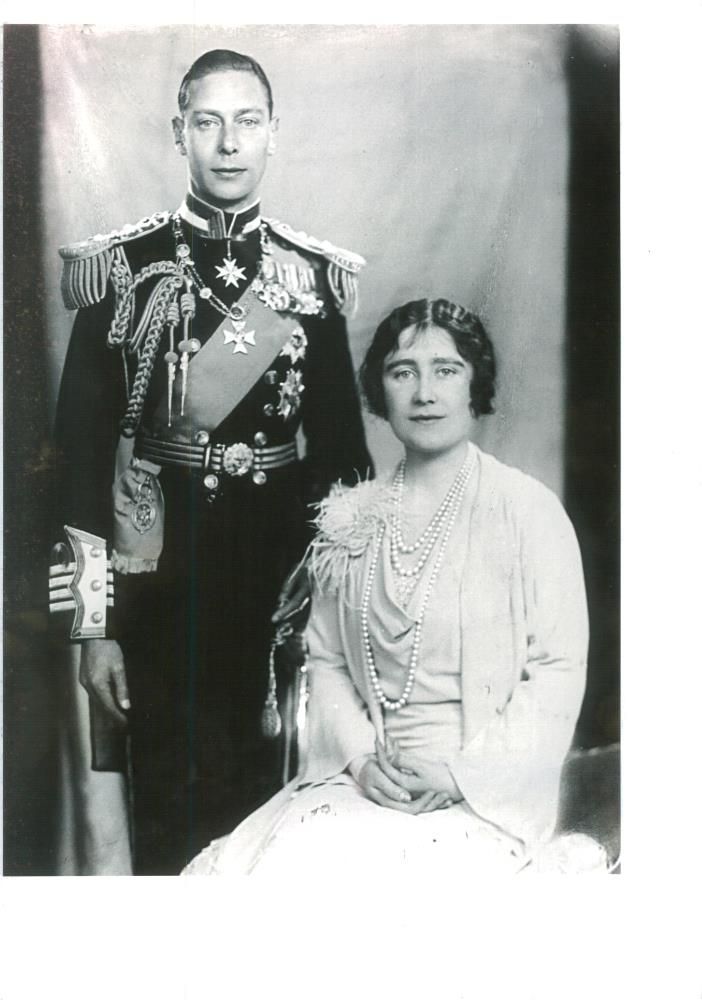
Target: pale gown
{"type": "Point", "coordinates": [331, 823]}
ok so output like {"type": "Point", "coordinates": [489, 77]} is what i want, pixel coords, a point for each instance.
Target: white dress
{"type": "Point", "coordinates": [320, 826]}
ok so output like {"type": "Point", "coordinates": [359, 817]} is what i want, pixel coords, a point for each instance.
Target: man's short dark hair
{"type": "Point", "coordinates": [219, 61]}
{"type": "Point", "coordinates": [469, 336]}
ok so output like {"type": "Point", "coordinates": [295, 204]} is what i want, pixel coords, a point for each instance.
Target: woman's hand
{"type": "Point", "coordinates": [418, 775]}
{"type": "Point", "coordinates": [386, 786]}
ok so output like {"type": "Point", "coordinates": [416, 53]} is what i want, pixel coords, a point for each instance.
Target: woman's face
{"type": "Point", "coordinates": [427, 391]}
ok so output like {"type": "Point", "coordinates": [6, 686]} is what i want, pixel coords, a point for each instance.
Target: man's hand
{"type": "Point", "coordinates": [103, 676]}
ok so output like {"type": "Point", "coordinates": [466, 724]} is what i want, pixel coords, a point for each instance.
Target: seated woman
{"type": "Point", "coordinates": [447, 641]}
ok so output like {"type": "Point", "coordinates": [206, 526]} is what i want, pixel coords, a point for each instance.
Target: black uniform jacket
{"type": "Point", "coordinates": [117, 365]}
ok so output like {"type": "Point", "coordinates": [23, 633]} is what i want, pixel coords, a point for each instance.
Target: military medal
{"type": "Point", "coordinates": [229, 271]}
{"type": "Point", "coordinates": [289, 394]}
{"type": "Point", "coordinates": [239, 337]}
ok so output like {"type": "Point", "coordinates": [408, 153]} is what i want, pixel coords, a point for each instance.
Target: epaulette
{"type": "Point", "coordinates": [87, 265]}
{"type": "Point", "coordinates": [343, 266]}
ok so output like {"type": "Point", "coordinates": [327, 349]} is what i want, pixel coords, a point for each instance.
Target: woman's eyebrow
{"type": "Point", "coordinates": [448, 361]}
{"type": "Point", "coordinates": [405, 362]}
{"type": "Point", "coordinates": [398, 362]}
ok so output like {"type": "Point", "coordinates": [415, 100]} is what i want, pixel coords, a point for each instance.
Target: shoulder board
{"type": "Point", "coordinates": [105, 241]}
{"type": "Point", "coordinates": [346, 259]}
{"type": "Point", "coordinates": [87, 265]}
{"type": "Point", "coordinates": [343, 265]}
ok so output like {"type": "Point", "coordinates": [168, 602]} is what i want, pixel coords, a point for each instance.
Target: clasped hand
{"type": "Point", "coordinates": [405, 781]}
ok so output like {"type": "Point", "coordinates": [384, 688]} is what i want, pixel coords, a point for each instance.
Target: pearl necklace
{"type": "Point", "coordinates": [431, 533]}
{"type": "Point", "coordinates": [451, 514]}
{"type": "Point", "coordinates": [401, 544]}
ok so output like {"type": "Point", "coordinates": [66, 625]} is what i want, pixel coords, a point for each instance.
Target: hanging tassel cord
{"type": "Point", "coordinates": [147, 359]}
{"type": "Point", "coordinates": [125, 288]}
{"type": "Point", "coordinates": [271, 722]}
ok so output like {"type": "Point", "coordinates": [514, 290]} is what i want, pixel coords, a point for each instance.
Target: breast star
{"type": "Point", "coordinates": [230, 272]}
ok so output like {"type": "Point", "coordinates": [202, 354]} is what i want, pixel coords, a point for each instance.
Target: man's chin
{"type": "Point", "coordinates": [229, 196]}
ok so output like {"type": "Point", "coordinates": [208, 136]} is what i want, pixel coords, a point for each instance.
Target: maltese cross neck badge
{"type": "Point", "coordinates": [230, 272]}
{"type": "Point", "coordinates": [240, 337]}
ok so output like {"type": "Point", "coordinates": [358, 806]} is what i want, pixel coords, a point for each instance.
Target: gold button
{"type": "Point", "coordinates": [202, 437]}
{"type": "Point", "coordinates": [96, 585]}
{"type": "Point", "coordinates": [260, 439]}
{"type": "Point", "coordinates": [96, 617]}
{"type": "Point", "coordinates": [260, 477]}
{"type": "Point", "coordinates": [269, 409]}
{"type": "Point", "coordinates": [95, 552]}
{"type": "Point", "coordinates": [211, 482]}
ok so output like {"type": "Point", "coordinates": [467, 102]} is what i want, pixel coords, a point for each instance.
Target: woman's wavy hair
{"type": "Point", "coordinates": [469, 336]}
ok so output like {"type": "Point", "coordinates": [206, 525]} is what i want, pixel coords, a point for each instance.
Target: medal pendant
{"type": "Point", "coordinates": [230, 272]}
{"type": "Point", "coordinates": [143, 514]}
{"type": "Point", "coordinates": [240, 337]}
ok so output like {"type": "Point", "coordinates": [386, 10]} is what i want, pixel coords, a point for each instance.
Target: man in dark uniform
{"type": "Point", "coordinates": [206, 338]}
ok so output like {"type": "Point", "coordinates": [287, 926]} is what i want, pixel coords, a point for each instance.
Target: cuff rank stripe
{"type": "Point", "coordinates": [84, 584]}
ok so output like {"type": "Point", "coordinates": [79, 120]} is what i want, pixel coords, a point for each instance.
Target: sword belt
{"type": "Point", "coordinates": [235, 460]}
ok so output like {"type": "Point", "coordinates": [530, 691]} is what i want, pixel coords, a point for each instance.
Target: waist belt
{"type": "Point", "coordinates": [232, 459]}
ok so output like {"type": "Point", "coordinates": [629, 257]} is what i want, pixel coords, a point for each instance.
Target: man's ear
{"type": "Point", "coordinates": [272, 144]}
{"type": "Point", "coordinates": [178, 127]}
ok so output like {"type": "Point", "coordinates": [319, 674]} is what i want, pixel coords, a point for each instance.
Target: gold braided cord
{"type": "Point", "coordinates": [147, 358]}
{"type": "Point", "coordinates": [125, 286]}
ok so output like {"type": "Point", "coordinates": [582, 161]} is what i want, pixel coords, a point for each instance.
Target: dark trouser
{"type": "Point", "coordinates": [196, 639]}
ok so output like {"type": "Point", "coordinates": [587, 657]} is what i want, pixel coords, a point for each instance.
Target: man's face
{"type": "Point", "coordinates": [227, 134]}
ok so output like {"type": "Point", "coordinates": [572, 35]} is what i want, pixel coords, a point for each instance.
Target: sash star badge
{"type": "Point", "coordinates": [239, 337]}
{"type": "Point", "coordinates": [229, 271]}
{"type": "Point", "coordinates": [289, 395]}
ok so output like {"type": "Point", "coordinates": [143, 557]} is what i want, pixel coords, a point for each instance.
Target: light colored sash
{"type": "Point", "coordinates": [218, 378]}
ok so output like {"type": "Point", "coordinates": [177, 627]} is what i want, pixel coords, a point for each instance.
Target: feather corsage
{"type": "Point", "coordinates": [347, 522]}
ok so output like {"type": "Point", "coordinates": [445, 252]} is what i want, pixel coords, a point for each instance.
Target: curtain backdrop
{"type": "Point", "coordinates": [440, 153]}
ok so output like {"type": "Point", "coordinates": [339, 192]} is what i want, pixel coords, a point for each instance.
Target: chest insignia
{"type": "Point", "coordinates": [240, 337]}
{"type": "Point", "coordinates": [289, 394]}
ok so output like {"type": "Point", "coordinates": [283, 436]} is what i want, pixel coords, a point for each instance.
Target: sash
{"type": "Point", "coordinates": [218, 377]}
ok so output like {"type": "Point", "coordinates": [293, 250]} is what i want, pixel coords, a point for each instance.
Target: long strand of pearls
{"type": "Point", "coordinates": [390, 704]}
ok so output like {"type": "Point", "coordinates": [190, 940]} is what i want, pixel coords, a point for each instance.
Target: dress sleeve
{"type": "Point", "coordinates": [331, 420]}
{"type": "Point", "coordinates": [510, 772]}
{"type": "Point", "coordinates": [91, 400]}
{"type": "Point", "coordinates": [339, 725]}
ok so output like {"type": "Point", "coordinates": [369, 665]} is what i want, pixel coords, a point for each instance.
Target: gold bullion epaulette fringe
{"type": "Point", "coordinates": [343, 266]}
{"type": "Point", "coordinates": [87, 265]}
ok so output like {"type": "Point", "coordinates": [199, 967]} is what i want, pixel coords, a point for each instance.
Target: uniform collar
{"type": "Point", "coordinates": [215, 222]}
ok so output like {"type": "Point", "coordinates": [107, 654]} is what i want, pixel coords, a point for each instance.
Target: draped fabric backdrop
{"type": "Point", "coordinates": [440, 153]}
